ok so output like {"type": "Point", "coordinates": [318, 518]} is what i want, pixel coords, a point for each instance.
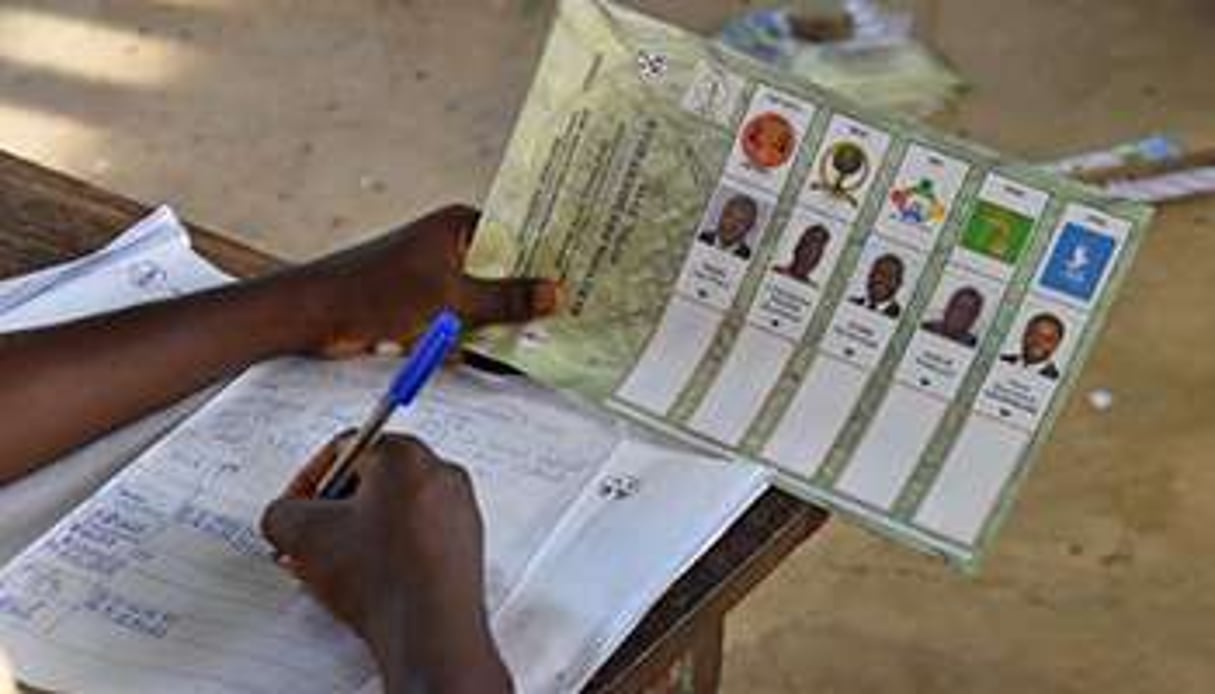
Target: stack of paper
{"type": "Point", "coordinates": [160, 580]}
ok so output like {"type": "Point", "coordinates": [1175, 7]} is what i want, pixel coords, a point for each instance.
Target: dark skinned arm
{"type": "Point", "coordinates": [65, 385]}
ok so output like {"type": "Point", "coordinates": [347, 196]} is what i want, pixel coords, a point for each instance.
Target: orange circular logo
{"type": "Point", "coordinates": [768, 140]}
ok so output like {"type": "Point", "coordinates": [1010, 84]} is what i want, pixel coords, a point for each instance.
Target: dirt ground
{"type": "Point", "coordinates": [302, 125]}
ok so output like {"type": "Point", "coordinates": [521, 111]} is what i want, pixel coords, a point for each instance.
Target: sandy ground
{"type": "Point", "coordinates": [302, 125]}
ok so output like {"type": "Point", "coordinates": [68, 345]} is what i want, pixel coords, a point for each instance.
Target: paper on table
{"type": "Point", "coordinates": [530, 452]}
{"type": "Point", "coordinates": [151, 261]}
{"type": "Point", "coordinates": [165, 565]}
{"type": "Point", "coordinates": [651, 512]}
{"type": "Point", "coordinates": [160, 226]}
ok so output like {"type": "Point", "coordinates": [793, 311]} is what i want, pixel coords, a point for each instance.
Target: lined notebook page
{"type": "Point", "coordinates": [161, 581]}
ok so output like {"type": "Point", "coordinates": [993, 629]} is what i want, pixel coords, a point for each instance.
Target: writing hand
{"type": "Point", "coordinates": [401, 561]}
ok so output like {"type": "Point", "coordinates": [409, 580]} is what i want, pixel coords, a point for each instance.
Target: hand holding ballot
{"type": "Point", "coordinates": [888, 317]}
{"type": "Point", "coordinates": [386, 289]}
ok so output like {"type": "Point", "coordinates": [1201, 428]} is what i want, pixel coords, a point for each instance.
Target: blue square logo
{"type": "Point", "coordinates": [1078, 262]}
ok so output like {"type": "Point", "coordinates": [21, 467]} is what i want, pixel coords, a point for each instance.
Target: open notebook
{"type": "Point", "coordinates": [136, 564]}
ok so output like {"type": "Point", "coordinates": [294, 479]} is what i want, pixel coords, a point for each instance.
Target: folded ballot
{"type": "Point", "coordinates": [887, 316]}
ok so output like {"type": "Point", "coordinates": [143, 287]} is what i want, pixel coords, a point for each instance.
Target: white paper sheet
{"type": "Point", "coordinates": [152, 260]}
{"type": "Point", "coordinates": [651, 512]}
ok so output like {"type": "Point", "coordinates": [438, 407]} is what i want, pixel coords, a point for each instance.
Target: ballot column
{"type": "Point", "coordinates": [724, 242]}
{"type": "Point", "coordinates": [1021, 387]}
{"type": "Point", "coordinates": [995, 239]}
{"type": "Point", "coordinates": [915, 211]}
{"type": "Point", "coordinates": [844, 167]}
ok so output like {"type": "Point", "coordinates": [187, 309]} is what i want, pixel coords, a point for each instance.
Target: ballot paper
{"type": "Point", "coordinates": [160, 580]}
{"type": "Point", "coordinates": [889, 317]}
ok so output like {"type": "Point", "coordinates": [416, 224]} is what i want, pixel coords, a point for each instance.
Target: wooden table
{"type": "Point", "coordinates": [46, 217]}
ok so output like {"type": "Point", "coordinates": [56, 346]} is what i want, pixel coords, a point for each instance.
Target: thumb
{"type": "Point", "coordinates": [297, 527]}
{"type": "Point", "coordinates": [482, 302]}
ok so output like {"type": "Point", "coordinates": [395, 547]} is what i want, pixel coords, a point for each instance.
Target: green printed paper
{"type": "Point", "coordinates": [888, 317]}
{"type": "Point", "coordinates": [997, 232]}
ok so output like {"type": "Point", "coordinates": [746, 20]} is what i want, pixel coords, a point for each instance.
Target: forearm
{"type": "Point", "coordinates": [456, 654]}
{"type": "Point", "coordinates": [64, 385]}
{"type": "Point", "coordinates": [478, 670]}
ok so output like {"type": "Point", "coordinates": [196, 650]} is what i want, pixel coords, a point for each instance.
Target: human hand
{"type": "Point", "coordinates": [389, 288]}
{"type": "Point", "coordinates": [401, 561]}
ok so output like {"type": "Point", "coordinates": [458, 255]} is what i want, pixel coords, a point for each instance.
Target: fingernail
{"type": "Point", "coordinates": [548, 297]}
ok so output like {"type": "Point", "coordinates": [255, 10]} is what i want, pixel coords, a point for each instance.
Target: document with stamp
{"type": "Point", "coordinates": [889, 317]}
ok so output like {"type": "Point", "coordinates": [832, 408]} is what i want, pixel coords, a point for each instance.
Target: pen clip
{"type": "Point", "coordinates": [427, 356]}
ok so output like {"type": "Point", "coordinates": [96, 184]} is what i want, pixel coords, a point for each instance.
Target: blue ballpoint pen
{"type": "Point", "coordinates": [426, 358]}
